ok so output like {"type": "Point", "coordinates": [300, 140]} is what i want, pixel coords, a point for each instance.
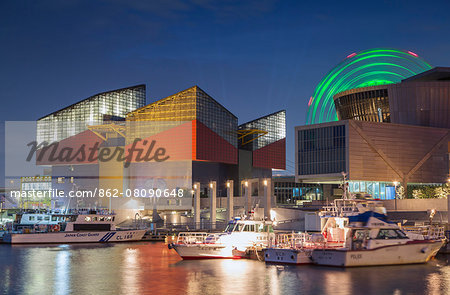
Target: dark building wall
{"type": "Point", "coordinates": [420, 103]}
{"type": "Point", "coordinates": [321, 149]}
{"type": "Point", "coordinates": [205, 172]}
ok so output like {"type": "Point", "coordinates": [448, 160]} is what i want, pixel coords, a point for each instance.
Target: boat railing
{"type": "Point", "coordinates": [300, 241]}
{"type": "Point", "coordinates": [192, 237]}
{"type": "Point", "coordinates": [290, 240]}
{"type": "Point", "coordinates": [429, 232]}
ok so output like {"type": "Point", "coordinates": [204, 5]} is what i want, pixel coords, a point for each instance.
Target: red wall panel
{"type": "Point", "coordinates": [69, 148]}
{"type": "Point", "coordinates": [212, 147]}
{"type": "Point", "coordinates": [271, 156]}
{"type": "Point", "coordinates": [176, 141]}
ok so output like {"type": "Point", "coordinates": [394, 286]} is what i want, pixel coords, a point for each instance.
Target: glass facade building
{"type": "Point", "coordinates": [321, 150]}
{"type": "Point", "coordinates": [197, 132]}
{"type": "Point", "coordinates": [364, 104]}
{"type": "Point", "coordinates": [379, 190]}
{"type": "Point", "coordinates": [266, 138]}
{"type": "Point", "coordinates": [289, 192]}
{"type": "Point", "coordinates": [106, 106]}
{"type": "Point", "coordinates": [213, 130]}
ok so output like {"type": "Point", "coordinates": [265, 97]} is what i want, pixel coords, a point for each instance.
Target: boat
{"type": "Point", "coordinates": [84, 226]}
{"type": "Point", "coordinates": [372, 240]}
{"type": "Point", "coordinates": [293, 248]}
{"type": "Point", "coordinates": [238, 235]}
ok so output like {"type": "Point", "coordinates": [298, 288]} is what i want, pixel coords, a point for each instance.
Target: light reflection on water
{"type": "Point", "coordinates": [151, 268]}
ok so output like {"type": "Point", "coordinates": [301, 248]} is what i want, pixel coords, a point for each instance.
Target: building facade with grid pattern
{"type": "Point", "coordinates": [265, 137]}
{"type": "Point", "coordinates": [74, 119]}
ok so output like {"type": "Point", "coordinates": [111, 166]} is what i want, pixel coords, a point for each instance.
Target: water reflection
{"type": "Point", "coordinates": [149, 268]}
{"type": "Point", "coordinates": [62, 272]}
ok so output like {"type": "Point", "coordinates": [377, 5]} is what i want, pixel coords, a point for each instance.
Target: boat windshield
{"type": "Point", "coordinates": [391, 234]}
{"type": "Point", "coordinates": [239, 227]}
{"type": "Point", "coordinates": [229, 227]}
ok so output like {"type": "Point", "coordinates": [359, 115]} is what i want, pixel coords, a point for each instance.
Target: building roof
{"type": "Point", "coordinates": [196, 88]}
{"type": "Point", "coordinates": [435, 74]}
{"type": "Point", "coordinates": [92, 97]}
{"type": "Point", "coordinates": [260, 118]}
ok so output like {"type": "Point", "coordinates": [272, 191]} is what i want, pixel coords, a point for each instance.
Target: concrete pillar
{"type": "Point", "coordinates": [447, 250]}
{"type": "Point", "coordinates": [247, 197]}
{"type": "Point", "coordinates": [212, 203]}
{"type": "Point", "coordinates": [448, 212]}
{"type": "Point", "coordinates": [197, 205]}
{"type": "Point", "coordinates": [267, 197]}
{"type": "Point", "coordinates": [405, 188]}
{"type": "Point", "coordinates": [230, 204]}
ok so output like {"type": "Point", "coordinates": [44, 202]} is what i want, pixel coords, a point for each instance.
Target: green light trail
{"type": "Point", "coordinates": [379, 66]}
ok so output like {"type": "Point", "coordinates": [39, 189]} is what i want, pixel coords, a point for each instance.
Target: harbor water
{"type": "Point", "coordinates": [151, 268]}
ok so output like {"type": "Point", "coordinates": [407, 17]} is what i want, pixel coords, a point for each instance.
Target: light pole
{"type": "Point", "coordinates": [2, 200]}
{"type": "Point", "coordinates": [395, 194]}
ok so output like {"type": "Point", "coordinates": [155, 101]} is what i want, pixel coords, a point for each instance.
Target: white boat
{"type": "Point", "coordinates": [238, 235]}
{"type": "Point", "coordinates": [289, 248]}
{"type": "Point", "coordinates": [55, 228]}
{"type": "Point", "coordinates": [293, 248]}
{"type": "Point", "coordinates": [371, 240]}
{"type": "Point", "coordinates": [288, 256]}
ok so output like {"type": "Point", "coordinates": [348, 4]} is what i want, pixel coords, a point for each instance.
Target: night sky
{"type": "Point", "coordinates": [254, 57]}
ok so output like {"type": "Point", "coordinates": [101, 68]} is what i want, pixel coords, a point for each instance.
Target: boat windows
{"type": "Point", "coordinates": [31, 218]}
{"type": "Point", "coordinates": [239, 227]}
{"type": "Point", "coordinates": [229, 227]}
{"type": "Point", "coordinates": [54, 218]}
{"type": "Point", "coordinates": [87, 218]}
{"type": "Point", "coordinates": [249, 227]}
{"type": "Point", "coordinates": [94, 218]}
{"type": "Point", "coordinates": [401, 234]}
{"type": "Point", "coordinates": [39, 218]}
{"type": "Point", "coordinates": [360, 235]}
{"type": "Point", "coordinates": [360, 238]}
{"type": "Point", "coordinates": [102, 218]}
{"type": "Point", "coordinates": [46, 218]}
{"type": "Point", "coordinates": [390, 234]}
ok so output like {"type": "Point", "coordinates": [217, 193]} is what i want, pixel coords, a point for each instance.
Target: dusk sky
{"type": "Point", "coordinates": [254, 57]}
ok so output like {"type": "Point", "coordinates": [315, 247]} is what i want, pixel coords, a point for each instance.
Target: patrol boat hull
{"type": "Point", "coordinates": [408, 253]}
{"type": "Point", "coordinates": [203, 251]}
{"type": "Point", "coordinates": [74, 237]}
{"type": "Point", "coordinates": [287, 256]}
